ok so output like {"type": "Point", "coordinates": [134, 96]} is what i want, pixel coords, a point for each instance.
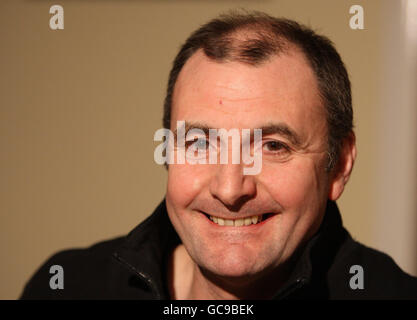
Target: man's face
{"type": "Point", "coordinates": [292, 188]}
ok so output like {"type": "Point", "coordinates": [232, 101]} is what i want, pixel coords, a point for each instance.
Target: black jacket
{"type": "Point", "coordinates": [134, 267]}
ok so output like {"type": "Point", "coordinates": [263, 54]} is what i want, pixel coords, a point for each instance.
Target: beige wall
{"type": "Point", "coordinates": [79, 107]}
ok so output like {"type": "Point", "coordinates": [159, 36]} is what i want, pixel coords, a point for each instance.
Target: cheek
{"type": "Point", "coordinates": [299, 189]}
{"type": "Point", "coordinates": [185, 182]}
{"type": "Point", "coordinates": [292, 184]}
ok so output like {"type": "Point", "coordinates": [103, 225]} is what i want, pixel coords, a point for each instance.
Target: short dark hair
{"type": "Point", "coordinates": [252, 38]}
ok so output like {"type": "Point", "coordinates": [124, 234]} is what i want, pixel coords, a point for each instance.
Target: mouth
{"type": "Point", "coordinates": [240, 222]}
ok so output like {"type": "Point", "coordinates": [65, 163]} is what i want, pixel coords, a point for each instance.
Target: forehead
{"type": "Point", "coordinates": [284, 88]}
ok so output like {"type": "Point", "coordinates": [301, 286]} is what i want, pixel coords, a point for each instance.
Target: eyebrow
{"type": "Point", "coordinates": [269, 129]}
{"type": "Point", "coordinates": [194, 125]}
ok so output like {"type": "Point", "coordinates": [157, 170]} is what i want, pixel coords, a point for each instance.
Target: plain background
{"type": "Point", "coordinates": [79, 108]}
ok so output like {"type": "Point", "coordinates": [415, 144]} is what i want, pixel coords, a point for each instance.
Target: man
{"type": "Point", "coordinates": [224, 234]}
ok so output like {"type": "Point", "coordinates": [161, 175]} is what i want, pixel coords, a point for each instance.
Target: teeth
{"type": "Point", "coordinates": [237, 222]}
{"type": "Point", "coordinates": [228, 222]}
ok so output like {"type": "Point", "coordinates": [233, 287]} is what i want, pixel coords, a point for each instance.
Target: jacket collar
{"type": "Point", "coordinates": [147, 247]}
{"type": "Point", "coordinates": [315, 258]}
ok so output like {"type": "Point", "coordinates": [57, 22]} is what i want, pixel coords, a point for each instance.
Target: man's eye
{"type": "Point", "coordinates": [198, 144]}
{"type": "Point", "coordinates": [275, 147]}
{"type": "Point", "coordinates": [202, 144]}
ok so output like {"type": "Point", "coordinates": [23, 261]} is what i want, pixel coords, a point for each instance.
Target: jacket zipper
{"type": "Point", "coordinates": [149, 281]}
{"type": "Point", "coordinates": [299, 283]}
{"type": "Point", "coordinates": [141, 275]}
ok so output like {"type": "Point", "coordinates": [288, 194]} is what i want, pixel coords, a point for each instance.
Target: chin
{"type": "Point", "coordinates": [232, 264]}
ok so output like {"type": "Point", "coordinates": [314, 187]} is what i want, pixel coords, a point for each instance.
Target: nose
{"type": "Point", "coordinates": [232, 187]}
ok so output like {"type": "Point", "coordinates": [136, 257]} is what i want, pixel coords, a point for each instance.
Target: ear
{"type": "Point", "coordinates": [341, 172]}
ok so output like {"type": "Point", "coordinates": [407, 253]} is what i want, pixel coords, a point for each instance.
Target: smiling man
{"type": "Point", "coordinates": [224, 234]}
{"type": "Point", "coordinates": [288, 196]}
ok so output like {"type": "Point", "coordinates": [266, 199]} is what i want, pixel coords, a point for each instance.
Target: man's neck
{"type": "Point", "coordinates": [188, 282]}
